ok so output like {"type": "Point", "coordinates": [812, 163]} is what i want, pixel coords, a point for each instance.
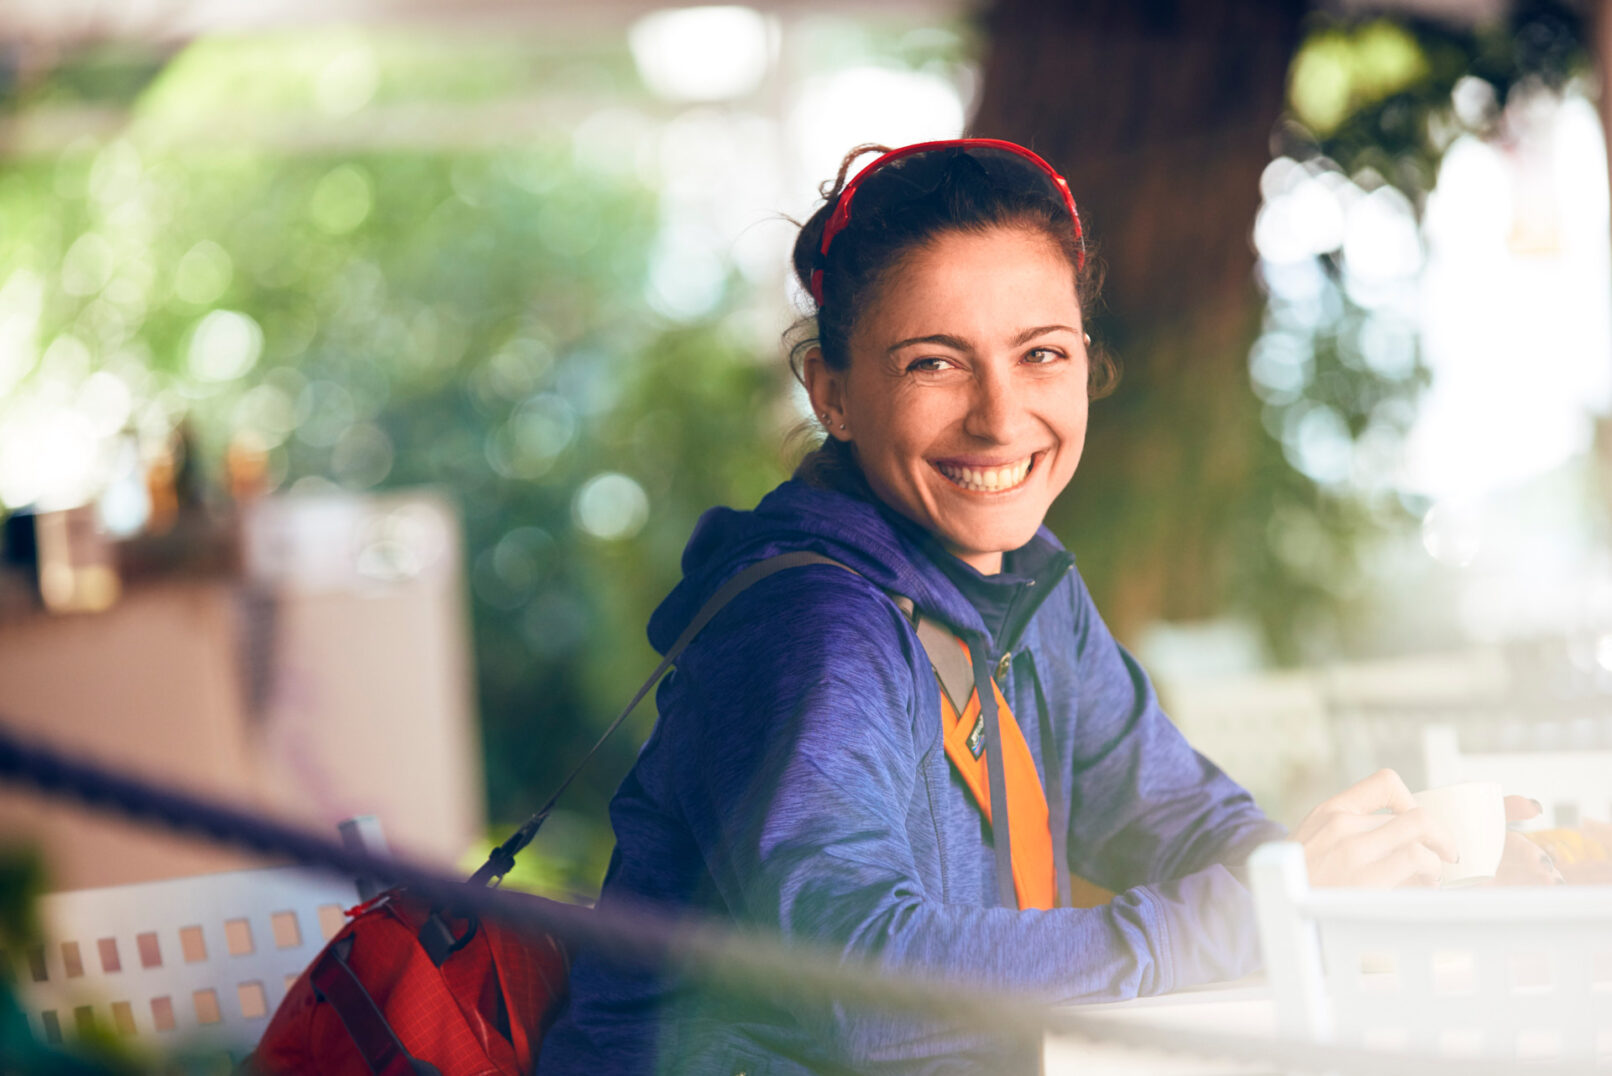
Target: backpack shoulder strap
{"type": "Point", "coordinates": [502, 858]}
{"type": "Point", "coordinates": [740, 583]}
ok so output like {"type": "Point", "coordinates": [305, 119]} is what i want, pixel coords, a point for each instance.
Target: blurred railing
{"type": "Point", "coordinates": [728, 959]}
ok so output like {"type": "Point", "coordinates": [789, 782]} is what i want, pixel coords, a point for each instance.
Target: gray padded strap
{"type": "Point", "coordinates": [951, 665]}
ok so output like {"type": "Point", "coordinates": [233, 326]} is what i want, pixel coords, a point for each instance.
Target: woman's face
{"type": "Point", "coordinates": [965, 397]}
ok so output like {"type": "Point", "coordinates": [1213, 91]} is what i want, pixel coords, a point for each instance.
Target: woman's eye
{"type": "Point", "coordinates": [930, 365]}
{"type": "Point", "coordinates": [1040, 356]}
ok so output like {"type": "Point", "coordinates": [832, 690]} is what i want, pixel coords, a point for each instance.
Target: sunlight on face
{"type": "Point", "coordinates": [966, 393]}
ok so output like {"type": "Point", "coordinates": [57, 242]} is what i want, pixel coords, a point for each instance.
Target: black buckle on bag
{"type": "Point", "coordinates": [502, 859]}
{"type": "Point", "coordinates": [437, 938]}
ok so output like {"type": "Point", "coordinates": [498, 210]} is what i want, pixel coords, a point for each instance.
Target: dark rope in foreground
{"type": "Point", "coordinates": [743, 962]}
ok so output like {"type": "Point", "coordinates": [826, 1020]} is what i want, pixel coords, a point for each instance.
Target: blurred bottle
{"type": "Point", "coordinates": [175, 484]}
{"type": "Point", "coordinates": [161, 491]}
{"type": "Point", "coordinates": [125, 503]}
{"type": "Point", "coordinates": [19, 563]}
{"type": "Point", "coordinates": [77, 566]}
{"type": "Point", "coordinates": [246, 467]}
{"type": "Point", "coordinates": [190, 483]}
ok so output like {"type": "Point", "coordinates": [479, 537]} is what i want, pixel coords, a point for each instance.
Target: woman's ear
{"type": "Point", "coordinates": [826, 389]}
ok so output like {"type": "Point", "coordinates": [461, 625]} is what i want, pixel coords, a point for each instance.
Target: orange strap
{"type": "Point", "coordinates": [1034, 878]}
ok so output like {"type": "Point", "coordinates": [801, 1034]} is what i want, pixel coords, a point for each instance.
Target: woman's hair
{"type": "Point", "coordinates": [895, 216]}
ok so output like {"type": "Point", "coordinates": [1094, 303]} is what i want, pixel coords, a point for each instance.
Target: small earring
{"type": "Point", "coordinates": [1088, 339]}
{"type": "Point", "coordinates": [842, 425]}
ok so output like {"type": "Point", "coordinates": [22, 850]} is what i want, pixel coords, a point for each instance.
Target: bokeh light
{"type": "Point", "coordinates": [611, 506]}
{"type": "Point", "coordinates": [225, 345]}
{"type": "Point", "coordinates": [870, 104]}
{"type": "Point", "coordinates": [703, 53]}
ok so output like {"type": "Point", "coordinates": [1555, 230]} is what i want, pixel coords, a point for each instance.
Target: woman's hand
{"type": "Point", "coordinates": [1524, 862]}
{"type": "Point", "coordinates": [1595, 867]}
{"type": "Point", "coordinates": [1577, 856]}
{"type": "Point", "coordinates": [1346, 842]}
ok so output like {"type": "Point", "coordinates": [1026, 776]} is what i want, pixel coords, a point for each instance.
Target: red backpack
{"type": "Point", "coordinates": [381, 998]}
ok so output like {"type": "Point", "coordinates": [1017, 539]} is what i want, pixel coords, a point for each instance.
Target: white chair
{"type": "Point", "coordinates": [1570, 785]}
{"type": "Point", "coordinates": [188, 964]}
{"type": "Point", "coordinates": [194, 963]}
{"type": "Point", "coordinates": [1269, 731]}
{"type": "Point", "coordinates": [1501, 973]}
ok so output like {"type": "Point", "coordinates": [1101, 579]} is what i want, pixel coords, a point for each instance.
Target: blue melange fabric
{"type": "Point", "coordinates": [796, 781]}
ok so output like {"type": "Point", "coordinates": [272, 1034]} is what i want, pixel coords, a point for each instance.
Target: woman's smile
{"type": "Point", "coordinates": [985, 478]}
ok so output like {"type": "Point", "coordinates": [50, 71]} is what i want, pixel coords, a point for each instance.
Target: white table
{"type": "Point", "coordinates": [1237, 1008]}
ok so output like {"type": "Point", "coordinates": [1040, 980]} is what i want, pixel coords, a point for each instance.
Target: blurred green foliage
{"type": "Point", "coordinates": [1378, 93]}
{"type": "Point", "coordinates": [1377, 100]}
{"type": "Point", "coordinates": [22, 880]}
{"type": "Point", "coordinates": [469, 318]}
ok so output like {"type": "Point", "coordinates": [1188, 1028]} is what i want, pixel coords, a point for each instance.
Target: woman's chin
{"type": "Point", "coordinates": [986, 543]}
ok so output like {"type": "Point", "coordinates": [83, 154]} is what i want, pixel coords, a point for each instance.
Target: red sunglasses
{"type": "Point", "coordinates": [842, 207]}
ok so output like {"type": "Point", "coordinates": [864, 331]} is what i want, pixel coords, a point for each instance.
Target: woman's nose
{"type": "Point", "coordinates": [998, 409]}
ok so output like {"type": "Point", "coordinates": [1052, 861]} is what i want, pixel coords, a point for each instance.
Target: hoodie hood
{"type": "Point", "coordinates": [795, 516]}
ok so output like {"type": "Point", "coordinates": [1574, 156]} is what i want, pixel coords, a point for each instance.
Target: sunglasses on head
{"type": "Point", "coordinates": [1005, 163]}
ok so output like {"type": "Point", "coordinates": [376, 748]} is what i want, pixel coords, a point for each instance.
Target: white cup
{"type": "Point", "coordinates": [1474, 815]}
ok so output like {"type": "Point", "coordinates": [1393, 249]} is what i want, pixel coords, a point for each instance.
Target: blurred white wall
{"type": "Point", "coordinates": [329, 679]}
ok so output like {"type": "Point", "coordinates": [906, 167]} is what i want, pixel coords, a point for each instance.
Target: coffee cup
{"type": "Point", "coordinates": [1474, 815]}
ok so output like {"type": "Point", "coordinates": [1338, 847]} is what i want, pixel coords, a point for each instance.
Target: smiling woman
{"type": "Point", "coordinates": [939, 760]}
{"type": "Point", "coordinates": [969, 432]}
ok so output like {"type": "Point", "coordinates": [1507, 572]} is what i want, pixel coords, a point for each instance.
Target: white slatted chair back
{"type": "Point", "coordinates": [188, 963]}
{"type": "Point", "coordinates": [1570, 785]}
{"type": "Point", "coordinates": [1506, 973]}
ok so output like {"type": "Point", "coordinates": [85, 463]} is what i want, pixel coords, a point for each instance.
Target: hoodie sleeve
{"type": "Point", "coordinates": [803, 775]}
{"type": "Point", "coordinates": [1147, 809]}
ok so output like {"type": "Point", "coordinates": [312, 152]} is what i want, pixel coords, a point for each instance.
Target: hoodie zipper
{"type": "Point", "coordinates": [1032, 592]}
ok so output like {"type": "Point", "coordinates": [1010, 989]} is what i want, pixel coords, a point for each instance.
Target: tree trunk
{"type": "Point", "coordinates": [1601, 52]}
{"type": "Point", "coordinates": [1600, 43]}
{"type": "Point", "coordinates": [1160, 114]}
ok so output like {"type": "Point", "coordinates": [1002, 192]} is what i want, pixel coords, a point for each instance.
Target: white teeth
{"type": "Point", "coordinates": [987, 479]}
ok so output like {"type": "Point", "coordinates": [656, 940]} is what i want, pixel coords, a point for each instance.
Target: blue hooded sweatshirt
{"type": "Point", "coordinates": [796, 781]}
